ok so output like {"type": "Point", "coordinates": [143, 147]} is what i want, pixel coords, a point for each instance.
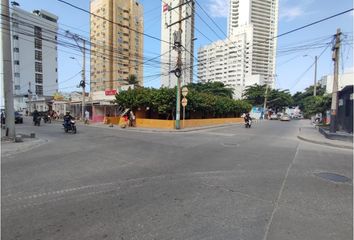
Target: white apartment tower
{"type": "Point", "coordinates": [247, 56]}
{"type": "Point", "coordinates": [34, 55]}
{"type": "Point", "coordinates": [170, 15]}
{"type": "Point", "coordinates": [228, 61]}
{"type": "Point", "coordinates": [263, 15]}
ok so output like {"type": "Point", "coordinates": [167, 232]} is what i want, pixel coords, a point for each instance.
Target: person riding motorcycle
{"type": "Point", "coordinates": [35, 115]}
{"type": "Point", "coordinates": [247, 117]}
{"type": "Point", "coordinates": [248, 120]}
{"type": "Point", "coordinates": [67, 118]}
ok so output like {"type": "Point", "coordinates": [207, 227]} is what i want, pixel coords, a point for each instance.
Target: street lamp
{"type": "Point", "coordinates": [74, 58]}
{"type": "Point", "coordinates": [315, 76]}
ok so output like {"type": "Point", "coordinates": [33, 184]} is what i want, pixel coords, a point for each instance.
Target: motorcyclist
{"type": "Point", "coordinates": [247, 117]}
{"type": "Point", "coordinates": [67, 118]}
{"type": "Point", "coordinates": [35, 115]}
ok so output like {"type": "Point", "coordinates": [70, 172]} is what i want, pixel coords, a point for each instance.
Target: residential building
{"type": "Point", "coordinates": [117, 43]}
{"type": "Point", "coordinates": [34, 55]}
{"type": "Point", "coordinates": [169, 25]}
{"type": "Point", "coordinates": [247, 56]}
{"type": "Point", "coordinates": [229, 61]}
{"type": "Point", "coordinates": [345, 79]}
{"type": "Point", "coordinates": [263, 15]}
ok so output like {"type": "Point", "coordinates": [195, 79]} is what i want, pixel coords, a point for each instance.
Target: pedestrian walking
{"type": "Point", "coordinates": [87, 117]}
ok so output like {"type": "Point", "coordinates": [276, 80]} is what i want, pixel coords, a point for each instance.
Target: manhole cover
{"type": "Point", "coordinates": [333, 177]}
{"type": "Point", "coordinates": [230, 144]}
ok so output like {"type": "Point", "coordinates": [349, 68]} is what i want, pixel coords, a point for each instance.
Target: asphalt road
{"type": "Point", "coordinates": [224, 183]}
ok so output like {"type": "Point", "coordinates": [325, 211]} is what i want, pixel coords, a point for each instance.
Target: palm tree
{"type": "Point", "coordinates": [133, 80]}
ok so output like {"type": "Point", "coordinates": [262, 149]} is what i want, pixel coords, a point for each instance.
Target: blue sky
{"type": "Point", "coordinates": [291, 65]}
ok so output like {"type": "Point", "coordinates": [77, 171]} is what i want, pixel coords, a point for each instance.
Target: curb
{"type": "Point", "coordinates": [147, 130]}
{"type": "Point", "coordinates": [154, 130]}
{"type": "Point", "coordinates": [324, 143]}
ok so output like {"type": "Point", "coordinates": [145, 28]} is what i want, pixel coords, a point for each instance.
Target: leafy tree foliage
{"type": "Point", "coordinates": [310, 104]}
{"type": "Point", "coordinates": [210, 101]}
{"type": "Point", "coordinates": [213, 88]}
{"type": "Point", "coordinates": [133, 80]}
{"type": "Point", "coordinates": [277, 99]}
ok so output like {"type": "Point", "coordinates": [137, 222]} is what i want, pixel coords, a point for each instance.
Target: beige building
{"type": "Point", "coordinates": [117, 43]}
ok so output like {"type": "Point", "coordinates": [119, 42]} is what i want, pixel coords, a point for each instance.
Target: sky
{"type": "Point", "coordinates": [293, 70]}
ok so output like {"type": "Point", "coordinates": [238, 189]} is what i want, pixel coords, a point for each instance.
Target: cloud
{"type": "Point", "coordinates": [218, 8]}
{"type": "Point", "coordinates": [290, 13]}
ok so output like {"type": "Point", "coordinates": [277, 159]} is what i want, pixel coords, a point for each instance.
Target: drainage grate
{"type": "Point", "coordinates": [333, 177]}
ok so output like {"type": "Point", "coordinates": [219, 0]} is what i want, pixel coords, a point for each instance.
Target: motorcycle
{"type": "Point", "coordinates": [248, 123]}
{"type": "Point", "coordinates": [70, 126]}
{"type": "Point", "coordinates": [37, 121]}
{"type": "Point", "coordinates": [47, 119]}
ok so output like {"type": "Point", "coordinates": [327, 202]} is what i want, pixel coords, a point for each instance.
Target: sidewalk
{"type": "Point", "coordinates": [311, 134]}
{"type": "Point", "coordinates": [9, 148]}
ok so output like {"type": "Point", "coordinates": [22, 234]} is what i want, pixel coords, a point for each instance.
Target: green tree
{"type": "Point", "coordinates": [276, 99]}
{"type": "Point", "coordinates": [279, 99]}
{"type": "Point", "coordinates": [133, 80]}
{"type": "Point", "coordinates": [254, 94]}
{"type": "Point", "coordinates": [214, 88]}
{"type": "Point", "coordinates": [316, 104]}
{"type": "Point", "coordinates": [310, 104]}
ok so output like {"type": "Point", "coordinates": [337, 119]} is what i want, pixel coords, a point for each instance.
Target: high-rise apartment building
{"type": "Point", "coordinates": [228, 61]}
{"type": "Point", "coordinates": [247, 56]}
{"type": "Point", "coordinates": [117, 43]}
{"type": "Point", "coordinates": [263, 15]}
{"type": "Point", "coordinates": [169, 16]}
{"type": "Point", "coordinates": [34, 55]}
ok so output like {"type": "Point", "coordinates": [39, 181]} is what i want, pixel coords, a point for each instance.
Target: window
{"type": "Point", "coordinates": [37, 32]}
{"type": "Point", "coordinates": [17, 74]}
{"type": "Point", "coordinates": [38, 43]}
{"type": "Point", "coordinates": [38, 55]}
{"type": "Point", "coordinates": [17, 87]}
{"type": "Point", "coordinates": [15, 37]}
{"type": "Point", "coordinates": [39, 78]}
{"type": "Point", "coordinates": [38, 67]}
{"type": "Point", "coordinates": [39, 90]}
{"type": "Point", "coordinates": [17, 62]}
{"type": "Point", "coordinates": [16, 49]}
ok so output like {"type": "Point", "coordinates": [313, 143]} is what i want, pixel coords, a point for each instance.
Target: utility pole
{"type": "Point", "coordinates": [178, 46]}
{"type": "Point", "coordinates": [29, 98]}
{"type": "Point", "coordinates": [315, 81]}
{"type": "Point", "coordinates": [179, 66]}
{"type": "Point", "coordinates": [83, 81]}
{"type": "Point", "coordinates": [334, 106]}
{"type": "Point", "coordinates": [265, 100]}
{"type": "Point", "coordinates": [7, 71]}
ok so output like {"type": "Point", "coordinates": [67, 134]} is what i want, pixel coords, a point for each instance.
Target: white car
{"type": "Point", "coordinates": [285, 117]}
{"type": "Point", "coordinates": [273, 117]}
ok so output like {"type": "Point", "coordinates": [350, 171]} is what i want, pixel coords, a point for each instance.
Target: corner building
{"type": "Point", "coordinates": [116, 43]}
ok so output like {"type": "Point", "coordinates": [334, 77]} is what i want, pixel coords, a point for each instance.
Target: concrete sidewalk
{"type": "Point", "coordinates": [311, 134]}
{"type": "Point", "coordinates": [9, 147]}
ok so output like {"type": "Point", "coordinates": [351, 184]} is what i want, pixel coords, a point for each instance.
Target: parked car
{"type": "Point", "coordinates": [285, 117]}
{"type": "Point", "coordinates": [273, 117]}
{"type": "Point", "coordinates": [18, 117]}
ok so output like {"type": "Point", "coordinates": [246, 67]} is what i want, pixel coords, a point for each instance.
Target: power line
{"type": "Point", "coordinates": [300, 77]}
{"type": "Point", "coordinates": [313, 23]}
{"type": "Point", "coordinates": [115, 23]}
{"type": "Point", "coordinates": [210, 18]}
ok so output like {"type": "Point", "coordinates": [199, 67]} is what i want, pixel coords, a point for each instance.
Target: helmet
{"type": "Point", "coordinates": [67, 112]}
